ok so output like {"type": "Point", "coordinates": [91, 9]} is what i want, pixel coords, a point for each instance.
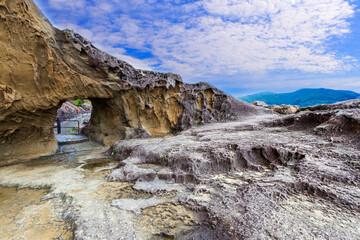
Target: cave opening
{"type": "Point", "coordinates": [72, 117]}
{"type": "Point", "coordinates": [100, 120]}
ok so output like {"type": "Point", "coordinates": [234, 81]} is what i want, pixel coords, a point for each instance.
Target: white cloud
{"type": "Point", "coordinates": [106, 7]}
{"type": "Point", "coordinates": [101, 43]}
{"type": "Point", "coordinates": [62, 4]}
{"type": "Point", "coordinates": [242, 36]}
{"type": "Point", "coordinates": [135, 62]}
{"type": "Point", "coordinates": [86, 33]}
{"type": "Point", "coordinates": [229, 37]}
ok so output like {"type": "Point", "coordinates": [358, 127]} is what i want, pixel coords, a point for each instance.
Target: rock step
{"type": "Point", "coordinates": [70, 139]}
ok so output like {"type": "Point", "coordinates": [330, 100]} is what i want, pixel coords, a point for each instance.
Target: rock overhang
{"type": "Point", "coordinates": [42, 67]}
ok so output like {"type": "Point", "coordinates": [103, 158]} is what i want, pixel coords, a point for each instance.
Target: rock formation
{"type": "Point", "coordinates": [42, 67]}
{"type": "Point", "coordinates": [269, 177]}
{"type": "Point", "coordinates": [282, 109]}
{"type": "Point", "coordinates": [338, 122]}
{"type": "Point", "coordinates": [68, 110]}
{"type": "Point", "coordinates": [261, 176]}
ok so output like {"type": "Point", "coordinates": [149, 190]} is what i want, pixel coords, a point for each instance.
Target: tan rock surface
{"type": "Point", "coordinates": [285, 109]}
{"type": "Point", "coordinates": [41, 67]}
{"type": "Point", "coordinates": [24, 215]}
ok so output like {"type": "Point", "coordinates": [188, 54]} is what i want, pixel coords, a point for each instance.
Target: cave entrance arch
{"type": "Point", "coordinates": [72, 116]}
{"type": "Point", "coordinates": [42, 66]}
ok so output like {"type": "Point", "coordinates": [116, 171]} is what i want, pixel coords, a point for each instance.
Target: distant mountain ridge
{"type": "Point", "coordinates": [303, 97]}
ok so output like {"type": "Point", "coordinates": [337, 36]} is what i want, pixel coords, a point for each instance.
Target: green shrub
{"type": "Point", "coordinates": [78, 102]}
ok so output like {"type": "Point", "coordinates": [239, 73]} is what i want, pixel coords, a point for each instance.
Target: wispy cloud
{"type": "Point", "coordinates": [205, 38]}
{"type": "Point", "coordinates": [66, 4]}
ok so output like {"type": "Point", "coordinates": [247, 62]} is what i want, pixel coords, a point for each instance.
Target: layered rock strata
{"type": "Point", "coordinates": [261, 178]}
{"type": "Point", "coordinates": [42, 67]}
{"type": "Point", "coordinates": [338, 122]}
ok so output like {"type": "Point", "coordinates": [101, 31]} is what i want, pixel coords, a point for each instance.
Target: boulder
{"type": "Point", "coordinates": [282, 109]}
{"type": "Point", "coordinates": [285, 109]}
{"type": "Point", "coordinates": [68, 110]}
{"type": "Point", "coordinates": [260, 104]}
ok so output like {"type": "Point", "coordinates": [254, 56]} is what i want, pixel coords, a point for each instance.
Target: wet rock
{"type": "Point", "coordinates": [121, 190]}
{"type": "Point", "coordinates": [31, 214]}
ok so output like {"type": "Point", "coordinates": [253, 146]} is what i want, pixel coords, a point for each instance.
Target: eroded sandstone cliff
{"type": "Point", "coordinates": [41, 67]}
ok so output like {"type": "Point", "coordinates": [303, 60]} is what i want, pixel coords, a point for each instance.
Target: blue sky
{"type": "Point", "coordinates": [240, 46]}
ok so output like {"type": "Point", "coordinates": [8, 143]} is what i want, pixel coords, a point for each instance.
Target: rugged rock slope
{"type": "Point", "coordinates": [264, 177]}
{"type": "Point", "coordinates": [267, 177]}
{"type": "Point", "coordinates": [41, 67]}
{"type": "Point", "coordinates": [338, 122]}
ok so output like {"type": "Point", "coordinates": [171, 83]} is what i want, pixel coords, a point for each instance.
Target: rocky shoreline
{"type": "Point", "coordinates": [167, 160]}
{"type": "Point", "coordinates": [264, 177]}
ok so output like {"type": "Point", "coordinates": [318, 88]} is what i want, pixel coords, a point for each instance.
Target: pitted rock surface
{"type": "Point", "coordinates": [42, 67]}
{"type": "Point", "coordinates": [260, 178]}
{"type": "Point", "coordinates": [338, 123]}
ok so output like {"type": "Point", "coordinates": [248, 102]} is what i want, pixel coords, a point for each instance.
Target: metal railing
{"type": "Point", "coordinates": [79, 115]}
{"type": "Point", "coordinates": [59, 127]}
{"type": "Point", "coordinates": [79, 119]}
